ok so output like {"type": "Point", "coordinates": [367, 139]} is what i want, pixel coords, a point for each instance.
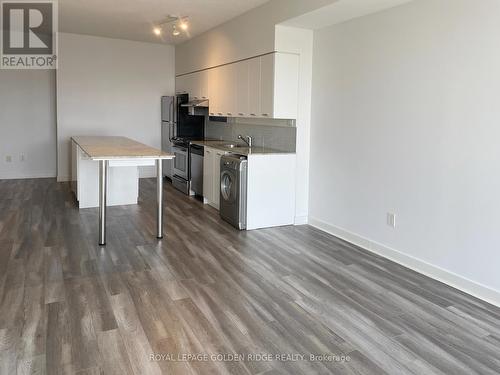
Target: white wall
{"type": "Point", "coordinates": [406, 119]}
{"type": "Point", "coordinates": [110, 87]}
{"type": "Point", "coordinates": [27, 123]}
{"type": "Point", "coordinates": [248, 35]}
{"type": "Point", "coordinates": [296, 40]}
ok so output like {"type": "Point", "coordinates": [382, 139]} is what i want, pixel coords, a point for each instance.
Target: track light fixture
{"type": "Point", "coordinates": [178, 23]}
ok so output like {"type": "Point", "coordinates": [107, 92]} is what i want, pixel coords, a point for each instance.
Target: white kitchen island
{"type": "Point", "coordinates": [105, 172]}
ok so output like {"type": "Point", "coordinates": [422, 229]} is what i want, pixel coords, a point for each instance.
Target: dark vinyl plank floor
{"type": "Point", "coordinates": [68, 306]}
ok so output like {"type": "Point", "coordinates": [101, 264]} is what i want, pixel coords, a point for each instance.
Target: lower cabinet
{"type": "Point", "coordinates": [123, 180]}
{"type": "Point", "coordinates": [211, 176]}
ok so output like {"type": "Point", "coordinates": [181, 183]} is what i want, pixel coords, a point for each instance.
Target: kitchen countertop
{"type": "Point", "coordinates": [244, 150]}
{"type": "Point", "coordinates": [107, 148]}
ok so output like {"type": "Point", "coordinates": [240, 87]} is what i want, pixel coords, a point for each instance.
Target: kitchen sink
{"type": "Point", "coordinates": [233, 145]}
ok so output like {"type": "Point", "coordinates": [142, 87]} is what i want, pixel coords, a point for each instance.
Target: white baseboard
{"type": "Point", "coordinates": [17, 175]}
{"type": "Point", "coordinates": [459, 282]}
{"type": "Point", "coordinates": [301, 220]}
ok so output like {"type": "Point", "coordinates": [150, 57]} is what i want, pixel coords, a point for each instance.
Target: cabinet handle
{"type": "Point", "coordinates": [220, 114]}
{"type": "Point", "coordinates": [229, 114]}
{"type": "Point", "coordinates": [265, 114]}
{"type": "Point", "coordinates": [241, 114]}
{"type": "Point", "coordinates": [252, 114]}
{"type": "Point", "coordinates": [212, 114]}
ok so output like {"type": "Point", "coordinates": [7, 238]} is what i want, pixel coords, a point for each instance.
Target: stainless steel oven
{"type": "Point", "coordinates": [180, 178]}
{"type": "Point", "coordinates": [181, 161]}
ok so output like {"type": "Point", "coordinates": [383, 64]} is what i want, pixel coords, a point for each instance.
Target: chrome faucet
{"type": "Point", "coordinates": [248, 140]}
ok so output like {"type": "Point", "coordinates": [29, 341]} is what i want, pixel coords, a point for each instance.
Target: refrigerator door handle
{"type": "Point", "coordinates": [171, 131]}
{"type": "Point", "coordinates": [174, 109]}
{"type": "Point", "coordinates": [172, 119]}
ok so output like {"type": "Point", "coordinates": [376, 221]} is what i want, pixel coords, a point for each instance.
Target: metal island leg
{"type": "Point", "coordinates": [159, 198]}
{"type": "Point", "coordinates": [103, 181]}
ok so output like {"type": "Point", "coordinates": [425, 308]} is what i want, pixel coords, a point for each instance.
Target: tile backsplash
{"type": "Point", "coordinates": [277, 134]}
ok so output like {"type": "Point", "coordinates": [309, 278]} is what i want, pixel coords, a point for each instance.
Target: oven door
{"type": "Point", "coordinates": [181, 162]}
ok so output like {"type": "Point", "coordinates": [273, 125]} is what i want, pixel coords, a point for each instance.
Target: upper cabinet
{"type": "Point", "coordinates": [264, 86]}
{"type": "Point", "coordinates": [226, 90]}
{"type": "Point", "coordinates": [194, 84]}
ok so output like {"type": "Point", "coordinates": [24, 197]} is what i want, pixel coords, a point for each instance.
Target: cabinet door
{"type": "Point", "coordinates": [194, 85]}
{"type": "Point", "coordinates": [221, 91]}
{"type": "Point", "coordinates": [267, 85]}
{"type": "Point", "coordinates": [254, 86]}
{"type": "Point", "coordinates": [213, 91]}
{"type": "Point", "coordinates": [203, 83]}
{"type": "Point", "coordinates": [208, 169]}
{"type": "Point", "coordinates": [242, 88]}
{"type": "Point", "coordinates": [216, 188]}
{"type": "Point", "coordinates": [227, 88]}
{"type": "Point", "coordinates": [181, 84]}
{"type": "Point", "coordinates": [286, 85]}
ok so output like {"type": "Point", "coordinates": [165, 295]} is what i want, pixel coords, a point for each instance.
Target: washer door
{"type": "Point", "coordinates": [227, 185]}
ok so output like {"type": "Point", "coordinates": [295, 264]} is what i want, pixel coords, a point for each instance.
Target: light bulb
{"type": "Point", "coordinates": [183, 25]}
{"type": "Point", "coordinates": [157, 31]}
{"type": "Point", "coordinates": [175, 32]}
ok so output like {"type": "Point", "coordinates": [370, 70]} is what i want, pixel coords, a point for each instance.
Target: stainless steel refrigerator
{"type": "Point", "coordinates": [168, 128]}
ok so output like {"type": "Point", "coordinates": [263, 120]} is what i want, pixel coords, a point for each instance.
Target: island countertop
{"type": "Point", "coordinates": [111, 147]}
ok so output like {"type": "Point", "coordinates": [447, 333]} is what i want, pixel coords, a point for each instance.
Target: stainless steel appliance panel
{"type": "Point", "coordinates": [233, 190]}
{"type": "Point", "coordinates": [167, 146]}
{"type": "Point", "coordinates": [168, 129]}
{"type": "Point", "coordinates": [168, 108]}
{"type": "Point", "coordinates": [196, 155]}
{"type": "Point", "coordinates": [181, 161]}
{"type": "Point", "coordinates": [180, 184]}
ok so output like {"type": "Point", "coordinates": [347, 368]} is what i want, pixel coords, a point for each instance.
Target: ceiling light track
{"type": "Point", "coordinates": [178, 24]}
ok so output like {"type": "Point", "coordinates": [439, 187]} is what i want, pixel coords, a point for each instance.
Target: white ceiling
{"type": "Point", "coordinates": [134, 19]}
{"type": "Point", "coordinates": [341, 11]}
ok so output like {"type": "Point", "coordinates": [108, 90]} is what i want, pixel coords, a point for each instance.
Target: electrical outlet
{"type": "Point", "coordinates": [22, 157]}
{"type": "Point", "coordinates": [8, 159]}
{"type": "Point", "coordinates": [391, 219]}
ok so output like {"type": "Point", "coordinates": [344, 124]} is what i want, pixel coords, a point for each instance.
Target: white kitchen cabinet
{"type": "Point", "coordinates": [208, 174]}
{"type": "Point", "coordinates": [242, 88]}
{"type": "Point", "coordinates": [279, 85]}
{"type": "Point", "coordinates": [123, 180]}
{"type": "Point", "coordinates": [211, 176]}
{"type": "Point", "coordinates": [198, 85]}
{"type": "Point", "coordinates": [192, 86]}
{"type": "Point", "coordinates": [203, 84]}
{"type": "Point", "coordinates": [213, 92]}
{"type": "Point", "coordinates": [181, 84]}
{"type": "Point", "coordinates": [227, 90]}
{"type": "Point", "coordinates": [265, 86]}
{"type": "Point", "coordinates": [253, 87]}
{"type": "Point", "coordinates": [270, 190]}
